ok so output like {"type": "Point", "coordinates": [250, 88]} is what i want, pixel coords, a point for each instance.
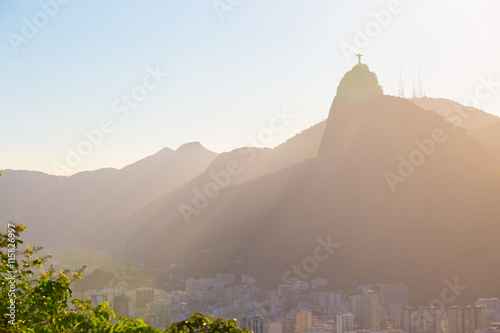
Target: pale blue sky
{"type": "Point", "coordinates": [225, 76]}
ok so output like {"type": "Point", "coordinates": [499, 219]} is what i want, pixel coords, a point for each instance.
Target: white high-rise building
{"type": "Point", "coordinates": [491, 307]}
{"type": "Point", "coordinates": [371, 311]}
{"type": "Point", "coordinates": [344, 322]}
{"type": "Point", "coordinates": [421, 320]}
{"type": "Point", "coordinates": [466, 319]}
{"type": "Point", "coordinates": [252, 321]}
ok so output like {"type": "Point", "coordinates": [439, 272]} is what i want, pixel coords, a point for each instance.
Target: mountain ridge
{"type": "Point", "coordinates": [264, 218]}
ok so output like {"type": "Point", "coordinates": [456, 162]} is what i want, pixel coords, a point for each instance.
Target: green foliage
{"type": "Point", "coordinates": [41, 303]}
{"type": "Point", "coordinates": [199, 323]}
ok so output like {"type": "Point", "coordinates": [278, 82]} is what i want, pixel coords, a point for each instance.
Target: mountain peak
{"type": "Point", "coordinates": [165, 151]}
{"type": "Point", "coordinates": [357, 84]}
{"type": "Point", "coordinates": [190, 146]}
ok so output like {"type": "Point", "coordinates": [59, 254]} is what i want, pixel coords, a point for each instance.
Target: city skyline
{"type": "Point", "coordinates": [305, 309]}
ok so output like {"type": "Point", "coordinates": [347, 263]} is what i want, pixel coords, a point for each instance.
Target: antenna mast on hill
{"type": "Point", "coordinates": [419, 85]}
{"type": "Point", "coordinates": [401, 87]}
{"type": "Point", "coordinates": [418, 90]}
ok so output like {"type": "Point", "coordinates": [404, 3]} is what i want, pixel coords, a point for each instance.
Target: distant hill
{"type": "Point", "coordinates": [483, 126]}
{"type": "Point", "coordinates": [49, 204]}
{"type": "Point", "coordinates": [253, 163]}
{"type": "Point", "coordinates": [258, 162]}
{"type": "Point", "coordinates": [438, 221]}
{"type": "Point", "coordinates": [467, 117]}
{"type": "Point", "coordinates": [96, 279]}
{"type": "Point", "coordinates": [81, 204]}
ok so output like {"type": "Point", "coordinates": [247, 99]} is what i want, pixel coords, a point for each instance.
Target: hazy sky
{"type": "Point", "coordinates": [65, 69]}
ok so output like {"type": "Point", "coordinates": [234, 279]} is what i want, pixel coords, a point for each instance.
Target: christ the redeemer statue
{"type": "Point", "coordinates": [359, 58]}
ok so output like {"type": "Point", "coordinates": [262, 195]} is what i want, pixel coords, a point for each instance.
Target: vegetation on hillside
{"type": "Point", "coordinates": [31, 303]}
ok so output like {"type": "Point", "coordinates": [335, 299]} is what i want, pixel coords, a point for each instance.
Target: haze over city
{"type": "Point", "coordinates": [284, 167]}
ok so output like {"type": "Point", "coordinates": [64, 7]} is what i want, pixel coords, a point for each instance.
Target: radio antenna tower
{"type": "Point", "coordinates": [420, 89]}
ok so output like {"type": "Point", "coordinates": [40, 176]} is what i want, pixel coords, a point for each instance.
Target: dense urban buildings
{"type": "Point", "coordinates": [421, 319]}
{"type": "Point", "coordinates": [296, 307]}
{"type": "Point", "coordinates": [252, 321]}
{"type": "Point", "coordinates": [491, 307]}
{"type": "Point", "coordinates": [466, 319]}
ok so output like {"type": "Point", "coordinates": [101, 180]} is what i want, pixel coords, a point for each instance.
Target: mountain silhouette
{"type": "Point", "coordinates": [407, 193]}
{"type": "Point", "coordinates": [422, 231]}
{"type": "Point", "coordinates": [46, 203]}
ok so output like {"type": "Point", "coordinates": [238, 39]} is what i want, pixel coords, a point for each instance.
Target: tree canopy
{"type": "Point", "coordinates": [39, 303]}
